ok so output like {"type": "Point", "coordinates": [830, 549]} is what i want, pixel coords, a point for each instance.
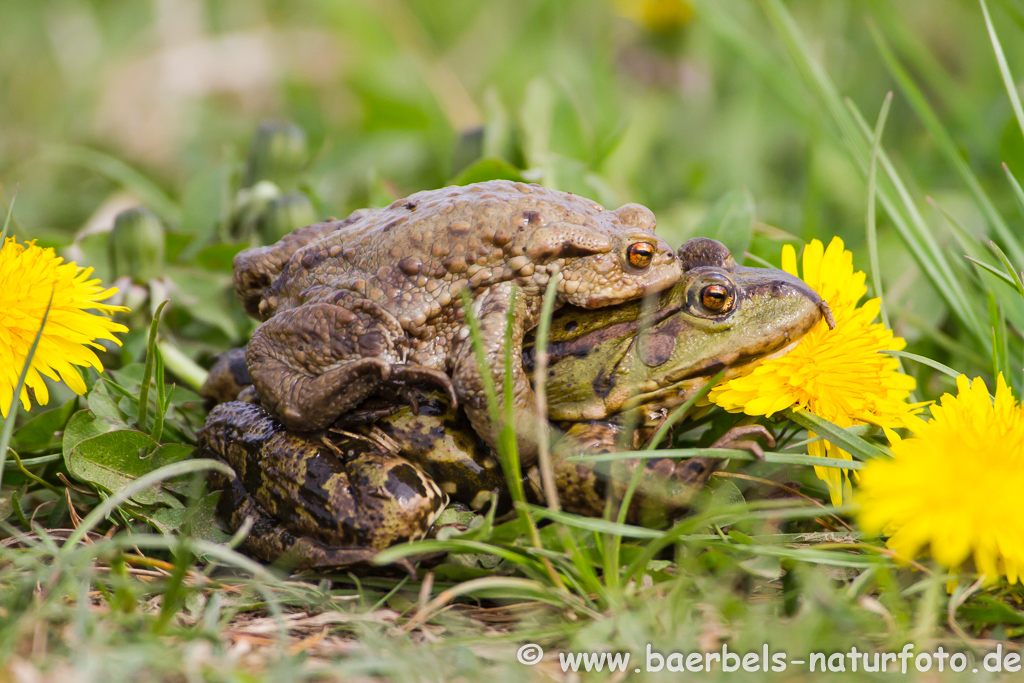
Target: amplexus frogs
{"type": "Point", "coordinates": [383, 473]}
{"type": "Point", "coordinates": [376, 298]}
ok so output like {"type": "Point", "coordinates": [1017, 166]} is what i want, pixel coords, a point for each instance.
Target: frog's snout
{"type": "Point", "coordinates": [805, 303]}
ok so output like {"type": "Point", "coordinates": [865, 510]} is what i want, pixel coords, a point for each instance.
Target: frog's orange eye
{"type": "Point", "coordinates": [716, 298]}
{"type": "Point", "coordinates": [640, 254]}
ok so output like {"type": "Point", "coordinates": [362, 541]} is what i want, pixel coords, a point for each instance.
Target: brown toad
{"type": "Point", "coordinates": [348, 305]}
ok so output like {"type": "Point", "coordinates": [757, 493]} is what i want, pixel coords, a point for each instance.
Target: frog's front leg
{"type": "Point", "coordinates": [491, 310]}
{"type": "Point", "coordinates": [312, 363]}
{"type": "Point", "coordinates": [665, 490]}
{"type": "Point", "coordinates": [317, 500]}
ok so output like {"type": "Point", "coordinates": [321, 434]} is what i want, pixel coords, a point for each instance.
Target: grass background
{"type": "Point", "coordinates": [678, 106]}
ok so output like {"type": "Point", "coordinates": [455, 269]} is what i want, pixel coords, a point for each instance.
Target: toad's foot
{"type": "Point", "coordinates": [492, 311]}
{"type": "Point", "coordinates": [311, 364]}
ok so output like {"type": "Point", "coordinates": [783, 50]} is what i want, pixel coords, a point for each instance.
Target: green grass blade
{"type": "Point", "coordinates": [1014, 275]}
{"type": "Point", "coordinates": [7, 221]}
{"type": "Point", "coordinates": [850, 443]}
{"type": "Point", "coordinates": [163, 401]}
{"type": "Point", "coordinates": [1008, 279]}
{"type": "Point", "coordinates": [12, 412]}
{"type": "Point", "coordinates": [872, 227]}
{"type": "Point", "coordinates": [508, 449]}
{"type": "Point", "coordinates": [945, 369]}
{"type": "Point", "coordinates": [947, 145]}
{"type": "Point", "coordinates": [540, 389]}
{"type": "Point", "coordinates": [1004, 69]}
{"type": "Point", "coordinates": [725, 454]}
{"type": "Point", "coordinates": [596, 524]}
{"type": "Point", "coordinates": [147, 374]}
{"type": "Point", "coordinates": [680, 412]}
{"type": "Point", "coordinates": [1000, 347]}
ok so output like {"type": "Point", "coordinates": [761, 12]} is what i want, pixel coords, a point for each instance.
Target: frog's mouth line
{"type": "Point", "coordinates": [679, 390]}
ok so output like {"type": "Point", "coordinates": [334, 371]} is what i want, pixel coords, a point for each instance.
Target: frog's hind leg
{"type": "Point", "coordinates": [665, 490]}
{"type": "Point", "coordinates": [313, 363]}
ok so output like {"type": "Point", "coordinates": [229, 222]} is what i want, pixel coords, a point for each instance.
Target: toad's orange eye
{"type": "Point", "coordinates": [640, 254]}
{"type": "Point", "coordinates": [716, 298]}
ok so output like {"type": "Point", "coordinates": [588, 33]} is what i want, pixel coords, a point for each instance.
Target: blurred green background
{"type": "Point", "coordinates": [106, 103]}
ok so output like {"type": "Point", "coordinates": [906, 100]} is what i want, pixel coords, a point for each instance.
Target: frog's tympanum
{"type": "Point", "coordinates": [376, 298]}
{"type": "Point", "coordinates": [382, 473]}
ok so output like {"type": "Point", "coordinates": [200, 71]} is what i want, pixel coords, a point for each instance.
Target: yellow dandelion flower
{"type": "Point", "coordinates": [660, 16]}
{"type": "Point", "coordinates": [837, 374]}
{"type": "Point", "coordinates": [954, 485]}
{"type": "Point", "coordinates": [28, 274]}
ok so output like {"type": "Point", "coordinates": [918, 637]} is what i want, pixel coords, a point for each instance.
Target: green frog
{"type": "Point", "coordinates": [383, 473]}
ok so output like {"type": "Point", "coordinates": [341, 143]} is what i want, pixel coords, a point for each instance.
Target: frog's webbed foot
{"type": "Point", "coordinates": [697, 471]}
{"type": "Point", "coordinates": [737, 439]}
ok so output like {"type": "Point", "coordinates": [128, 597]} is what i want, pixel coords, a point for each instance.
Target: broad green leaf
{"type": "Point", "coordinates": [204, 519]}
{"type": "Point", "coordinates": [143, 483]}
{"type": "Point", "coordinates": [85, 424]}
{"type": "Point", "coordinates": [219, 257]}
{"type": "Point", "coordinates": [39, 433]}
{"type": "Point", "coordinates": [115, 459]}
{"type": "Point", "coordinates": [103, 405]}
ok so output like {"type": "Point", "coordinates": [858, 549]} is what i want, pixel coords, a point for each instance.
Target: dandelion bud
{"type": "Point", "coordinates": [285, 213]}
{"type": "Point", "coordinates": [277, 153]}
{"type": "Point", "coordinates": [250, 205]}
{"type": "Point", "coordinates": [136, 245]}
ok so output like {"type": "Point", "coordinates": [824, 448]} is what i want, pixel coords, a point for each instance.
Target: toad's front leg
{"type": "Point", "coordinates": [492, 310]}
{"type": "Point", "coordinates": [312, 363]}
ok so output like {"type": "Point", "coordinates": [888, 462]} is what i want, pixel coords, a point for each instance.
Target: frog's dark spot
{"type": "Point", "coordinates": [405, 483]}
{"type": "Point", "coordinates": [603, 382]}
{"type": "Point", "coordinates": [532, 217]}
{"type": "Point", "coordinates": [655, 349]}
{"type": "Point", "coordinates": [411, 206]}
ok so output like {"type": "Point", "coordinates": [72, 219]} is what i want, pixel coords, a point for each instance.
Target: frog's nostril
{"type": "Point", "coordinates": [826, 313]}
